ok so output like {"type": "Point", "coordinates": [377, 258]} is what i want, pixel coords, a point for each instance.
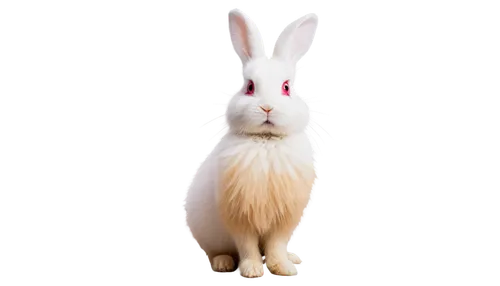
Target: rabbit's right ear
{"type": "Point", "coordinates": [245, 36]}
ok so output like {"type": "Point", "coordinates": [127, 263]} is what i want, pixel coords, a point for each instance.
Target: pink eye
{"type": "Point", "coordinates": [285, 88]}
{"type": "Point", "coordinates": [250, 88]}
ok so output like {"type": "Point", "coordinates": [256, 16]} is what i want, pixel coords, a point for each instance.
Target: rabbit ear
{"type": "Point", "coordinates": [296, 38]}
{"type": "Point", "coordinates": [245, 36]}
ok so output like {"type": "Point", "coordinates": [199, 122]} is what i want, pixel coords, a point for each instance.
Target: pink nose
{"type": "Point", "coordinates": [266, 108]}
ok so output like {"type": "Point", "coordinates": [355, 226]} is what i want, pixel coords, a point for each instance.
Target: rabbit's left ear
{"type": "Point", "coordinates": [296, 38]}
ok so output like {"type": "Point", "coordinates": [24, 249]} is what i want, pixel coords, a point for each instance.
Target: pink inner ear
{"type": "Point", "coordinates": [242, 34]}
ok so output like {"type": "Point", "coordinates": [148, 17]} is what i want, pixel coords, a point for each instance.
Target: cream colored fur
{"type": "Point", "coordinates": [263, 188]}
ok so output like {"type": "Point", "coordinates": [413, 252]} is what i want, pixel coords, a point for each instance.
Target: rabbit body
{"type": "Point", "coordinates": [248, 196]}
{"type": "Point", "coordinates": [249, 185]}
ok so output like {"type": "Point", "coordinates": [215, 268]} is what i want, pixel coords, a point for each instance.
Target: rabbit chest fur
{"type": "Point", "coordinates": [264, 183]}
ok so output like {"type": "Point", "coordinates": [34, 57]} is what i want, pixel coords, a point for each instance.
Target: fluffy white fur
{"type": "Point", "coordinates": [249, 194]}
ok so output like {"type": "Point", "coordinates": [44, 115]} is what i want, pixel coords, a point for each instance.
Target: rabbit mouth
{"type": "Point", "coordinates": [268, 123]}
{"type": "Point", "coordinates": [266, 135]}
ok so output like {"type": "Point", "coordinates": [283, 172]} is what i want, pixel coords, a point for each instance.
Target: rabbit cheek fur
{"type": "Point", "coordinates": [263, 186]}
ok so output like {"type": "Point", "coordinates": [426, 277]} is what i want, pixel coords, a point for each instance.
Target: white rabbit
{"type": "Point", "coordinates": [249, 195]}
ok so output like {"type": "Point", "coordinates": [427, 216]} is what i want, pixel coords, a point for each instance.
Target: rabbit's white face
{"type": "Point", "coordinates": [267, 102]}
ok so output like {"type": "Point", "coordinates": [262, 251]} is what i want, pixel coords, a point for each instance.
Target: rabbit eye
{"type": "Point", "coordinates": [250, 88]}
{"type": "Point", "coordinates": [285, 88]}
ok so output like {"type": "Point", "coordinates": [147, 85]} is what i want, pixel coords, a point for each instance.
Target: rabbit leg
{"type": "Point", "coordinates": [277, 257]}
{"type": "Point", "coordinates": [249, 255]}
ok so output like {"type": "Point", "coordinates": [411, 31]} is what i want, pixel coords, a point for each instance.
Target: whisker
{"type": "Point", "coordinates": [213, 119]}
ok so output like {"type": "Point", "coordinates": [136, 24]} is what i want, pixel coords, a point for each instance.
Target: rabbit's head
{"type": "Point", "coordinates": [268, 102]}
